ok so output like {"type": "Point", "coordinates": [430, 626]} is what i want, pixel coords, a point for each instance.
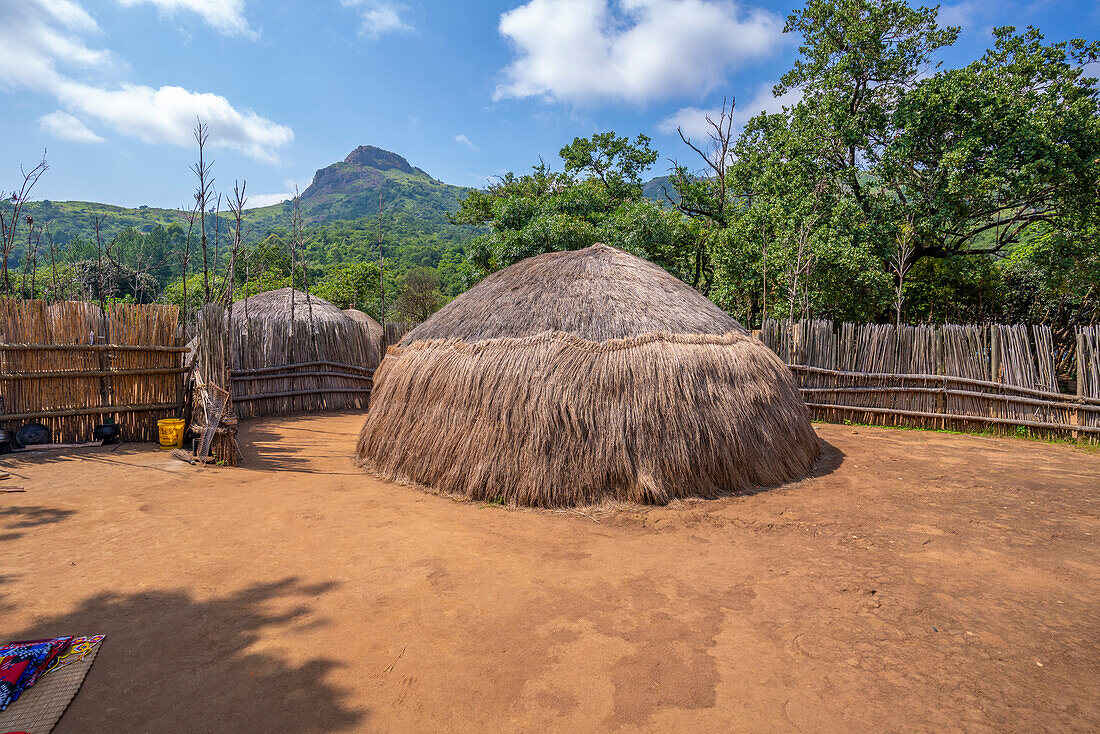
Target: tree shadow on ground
{"type": "Point", "coordinates": [18, 518]}
{"type": "Point", "coordinates": [294, 448]}
{"type": "Point", "coordinates": [176, 663]}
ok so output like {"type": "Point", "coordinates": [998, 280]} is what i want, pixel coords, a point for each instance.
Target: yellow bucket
{"type": "Point", "coordinates": [171, 433]}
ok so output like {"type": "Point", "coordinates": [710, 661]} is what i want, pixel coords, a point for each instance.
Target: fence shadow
{"type": "Point", "coordinates": [173, 662]}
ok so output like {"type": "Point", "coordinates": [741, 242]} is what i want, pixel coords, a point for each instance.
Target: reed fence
{"type": "Point", "coordinates": [395, 330]}
{"type": "Point", "coordinates": [998, 377]}
{"type": "Point", "coordinates": [69, 365]}
{"type": "Point", "coordinates": [281, 367]}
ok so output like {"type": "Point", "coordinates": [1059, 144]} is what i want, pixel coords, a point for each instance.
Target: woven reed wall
{"type": "Point", "coordinates": [143, 384]}
{"type": "Point", "coordinates": [997, 377]}
{"type": "Point", "coordinates": [280, 367]}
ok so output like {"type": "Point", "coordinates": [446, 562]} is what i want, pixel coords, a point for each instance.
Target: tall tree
{"type": "Point", "coordinates": [616, 162]}
{"type": "Point", "coordinates": [597, 197]}
{"type": "Point", "coordinates": [10, 215]}
{"type": "Point", "coordinates": [706, 196]}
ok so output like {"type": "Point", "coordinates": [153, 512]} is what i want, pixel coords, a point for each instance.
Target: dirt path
{"type": "Point", "coordinates": [921, 582]}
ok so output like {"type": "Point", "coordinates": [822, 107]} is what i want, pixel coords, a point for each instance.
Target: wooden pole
{"type": "Point", "coordinates": [75, 374]}
{"type": "Point", "coordinates": [1080, 377]}
{"type": "Point", "coordinates": [100, 347]}
{"type": "Point", "coordinates": [961, 418]}
{"type": "Point", "coordinates": [101, 410]}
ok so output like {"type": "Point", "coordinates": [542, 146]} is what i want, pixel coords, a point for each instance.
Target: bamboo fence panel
{"type": "Point", "coordinates": [951, 376]}
{"type": "Point", "coordinates": [89, 361]}
{"type": "Point", "coordinates": [133, 324]}
{"type": "Point", "coordinates": [965, 354]}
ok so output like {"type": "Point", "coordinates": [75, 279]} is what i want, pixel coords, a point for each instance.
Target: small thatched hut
{"type": "Point", "coordinates": [301, 352]}
{"type": "Point", "coordinates": [373, 327]}
{"type": "Point", "coordinates": [574, 377]}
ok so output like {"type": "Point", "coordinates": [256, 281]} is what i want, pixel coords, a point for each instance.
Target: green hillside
{"type": "Point", "coordinates": [415, 205]}
{"type": "Point", "coordinates": [76, 219]}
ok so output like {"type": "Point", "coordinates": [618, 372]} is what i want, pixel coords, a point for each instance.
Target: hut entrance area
{"type": "Point", "coordinates": [913, 581]}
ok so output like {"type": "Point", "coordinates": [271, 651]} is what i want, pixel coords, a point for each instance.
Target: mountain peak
{"type": "Point", "coordinates": [382, 160]}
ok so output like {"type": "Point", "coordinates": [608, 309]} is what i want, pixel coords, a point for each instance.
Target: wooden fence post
{"type": "Point", "coordinates": [995, 353]}
{"type": "Point", "coordinates": [1081, 369]}
{"type": "Point", "coordinates": [941, 399]}
{"type": "Point", "coordinates": [104, 365]}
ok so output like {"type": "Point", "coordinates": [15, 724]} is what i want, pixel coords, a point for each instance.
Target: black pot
{"type": "Point", "coordinates": [106, 432]}
{"type": "Point", "coordinates": [32, 434]}
{"type": "Point", "coordinates": [6, 437]}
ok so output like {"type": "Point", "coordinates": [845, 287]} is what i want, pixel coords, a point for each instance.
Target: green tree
{"type": "Point", "coordinates": [614, 161]}
{"type": "Point", "coordinates": [419, 296]}
{"type": "Point", "coordinates": [969, 163]}
{"type": "Point", "coordinates": [349, 286]}
{"type": "Point", "coordinates": [597, 197]}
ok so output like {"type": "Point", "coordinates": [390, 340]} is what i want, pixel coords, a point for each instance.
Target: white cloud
{"type": "Point", "coordinates": [634, 51]}
{"type": "Point", "coordinates": [225, 16]}
{"type": "Point", "coordinates": [765, 101]}
{"type": "Point", "coordinates": [66, 127]}
{"type": "Point", "coordinates": [169, 114]}
{"type": "Point", "coordinates": [693, 120]}
{"type": "Point", "coordinates": [379, 17]}
{"type": "Point", "coordinates": [460, 138]}
{"type": "Point", "coordinates": [70, 14]}
{"type": "Point", "coordinates": [37, 33]}
{"type": "Point", "coordinates": [255, 201]}
{"type": "Point", "coordinates": [41, 49]}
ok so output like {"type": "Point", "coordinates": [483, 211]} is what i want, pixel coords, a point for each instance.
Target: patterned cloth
{"type": "Point", "coordinates": [78, 648]}
{"type": "Point", "coordinates": [21, 664]}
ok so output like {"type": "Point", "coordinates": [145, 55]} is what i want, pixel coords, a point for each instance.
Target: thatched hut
{"type": "Point", "coordinates": [574, 377]}
{"type": "Point", "coordinates": [300, 353]}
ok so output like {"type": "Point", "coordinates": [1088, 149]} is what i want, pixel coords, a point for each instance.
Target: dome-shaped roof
{"type": "Point", "coordinates": [361, 317]}
{"type": "Point", "coordinates": [598, 293]}
{"type": "Point", "coordinates": [275, 305]}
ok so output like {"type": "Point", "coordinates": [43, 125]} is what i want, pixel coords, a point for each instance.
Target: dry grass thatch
{"type": "Point", "coordinates": [584, 391]}
{"type": "Point", "coordinates": [598, 293]}
{"type": "Point", "coordinates": [275, 305]}
{"type": "Point", "coordinates": [373, 327]}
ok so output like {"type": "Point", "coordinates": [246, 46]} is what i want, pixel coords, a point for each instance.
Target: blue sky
{"type": "Point", "coordinates": [464, 90]}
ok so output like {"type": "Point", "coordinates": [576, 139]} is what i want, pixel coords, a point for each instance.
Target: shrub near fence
{"type": "Point", "coordinates": [69, 365]}
{"type": "Point", "coordinates": [962, 377]}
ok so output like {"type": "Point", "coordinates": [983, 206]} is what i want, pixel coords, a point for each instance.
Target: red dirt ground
{"type": "Point", "coordinates": [920, 582]}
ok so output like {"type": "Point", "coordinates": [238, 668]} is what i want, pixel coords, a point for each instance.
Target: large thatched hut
{"type": "Point", "coordinates": [291, 352]}
{"type": "Point", "coordinates": [575, 377]}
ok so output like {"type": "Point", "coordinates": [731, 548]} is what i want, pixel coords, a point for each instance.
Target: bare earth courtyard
{"type": "Point", "coordinates": [918, 582]}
